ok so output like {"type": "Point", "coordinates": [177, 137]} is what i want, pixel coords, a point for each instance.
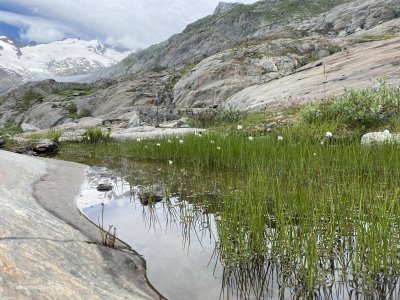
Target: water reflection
{"type": "Point", "coordinates": [178, 237]}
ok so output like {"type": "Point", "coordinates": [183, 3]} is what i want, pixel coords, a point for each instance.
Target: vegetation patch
{"type": "Point", "coordinates": [96, 135]}
{"type": "Point", "coordinates": [74, 91]}
{"type": "Point", "coordinates": [28, 98]}
{"type": "Point", "coordinates": [365, 108]}
{"type": "Point", "coordinates": [296, 190]}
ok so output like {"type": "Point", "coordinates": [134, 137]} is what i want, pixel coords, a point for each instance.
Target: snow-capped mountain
{"type": "Point", "coordinates": [66, 60]}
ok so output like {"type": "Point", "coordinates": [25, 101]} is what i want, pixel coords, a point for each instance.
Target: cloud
{"type": "Point", "coordinates": [36, 28]}
{"type": "Point", "coordinates": [130, 23]}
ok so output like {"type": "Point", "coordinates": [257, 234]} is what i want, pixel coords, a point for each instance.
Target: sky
{"type": "Point", "coordinates": [134, 24]}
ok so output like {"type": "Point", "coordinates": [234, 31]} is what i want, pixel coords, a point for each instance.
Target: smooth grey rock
{"type": "Point", "coordinates": [151, 194]}
{"type": "Point", "coordinates": [43, 230]}
{"type": "Point", "coordinates": [363, 62]}
{"type": "Point", "coordinates": [28, 128]}
{"type": "Point", "coordinates": [168, 125]}
{"type": "Point", "coordinates": [134, 120]}
{"type": "Point", "coordinates": [44, 116]}
{"type": "Point", "coordinates": [223, 7]}
{"type": "Point", "coordinates": [152, 132]}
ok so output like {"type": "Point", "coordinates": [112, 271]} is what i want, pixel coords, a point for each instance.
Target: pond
{"type": "Point", "coordinates": [179, 239]}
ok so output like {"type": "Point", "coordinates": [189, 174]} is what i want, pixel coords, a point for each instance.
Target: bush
{"type": "Point", "coordinates": [211, 117]}
{"type": "Point", "coordinates": [96, 135]}
{"type": "Point", "coordinates": [71, 108]}
{"type": "Point", "coordinates": [366, 108]}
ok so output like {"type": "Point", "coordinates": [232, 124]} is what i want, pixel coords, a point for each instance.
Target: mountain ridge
{"type": "Point", "coordinates": [209, 64]}
{"type": "Point", "coordinates": [65, 60]}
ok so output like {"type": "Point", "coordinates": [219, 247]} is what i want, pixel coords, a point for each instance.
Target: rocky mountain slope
{"type": "Point", "coordinates": [244, 58]}
{"type": "Point", "coordinates": [66, 60]}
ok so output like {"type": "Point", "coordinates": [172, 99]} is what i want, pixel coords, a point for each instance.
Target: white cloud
{"type": "Point", "coordinates": [131, 23]}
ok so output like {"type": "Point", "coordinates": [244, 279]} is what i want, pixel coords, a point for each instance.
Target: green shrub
{"type": "Point", "coordinates": [27, 98]}
{"type": "Point", "coordinates": [211, 117]}
{"type": "Point", "coordinates": [96, 135]}
{"type": "Point", "coordinates": [71, 108]}
{"type": "Point", "coordinates": [366, 108]}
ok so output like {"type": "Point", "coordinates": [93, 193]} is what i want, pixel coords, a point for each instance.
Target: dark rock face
{"type": "Point", "coordinates": [151, 194]}
{"type": "Point", "coordinates": [45, 146]}
{"type": "Point", "coordinates": [2, 141]}
{"type": "Point", "coordinates": [34, 147]}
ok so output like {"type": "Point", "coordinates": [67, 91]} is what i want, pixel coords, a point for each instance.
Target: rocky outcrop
{"type": "Point", "coordinates": [358, 67]}
{"type": "Point", "coordinates": [215, 79]}
{"type": "Point", "coordinates": [218, 32]}
{"type": "Point", "coordinates": [252, 56]}
{"type": "Point", "coordinates": [223, 7]}
{"type": "Point", "coordinates": [33, 146]}
{"type": "Point", "coordinates": [355, 16]}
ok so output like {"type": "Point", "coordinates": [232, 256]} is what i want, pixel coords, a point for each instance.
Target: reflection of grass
{"type": "Point", "coordinates": [309, 202]}
{"type": "Point", "coordinates": [108, 237]}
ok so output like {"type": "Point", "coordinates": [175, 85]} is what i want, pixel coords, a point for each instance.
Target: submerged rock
{"type": "Point", "coordinates": [104, 187]}
{"type": "Point", "coordinates": [151, 194]}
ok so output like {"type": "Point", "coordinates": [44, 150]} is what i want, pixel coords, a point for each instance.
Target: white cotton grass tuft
{"type": "Point", "coordinates": [239, 127]}
{"type": "Point", "coordinates": [158, 145]}
{"type": "Point", "coordinates": [328, 134]}
{"type": "Point", "coordinates": [180, 141]}
{"type": "Point", "coordinates": [251, 138]}
{"type": "Point", "coordinates": [280, 138]}
{"type": "Point", "coordinates": [170, 162]}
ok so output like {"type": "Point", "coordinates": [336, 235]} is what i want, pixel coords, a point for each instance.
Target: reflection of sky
{"type": "Point", "coordinates": [179, 270]}
{"type": "Point", "coordinates": [181, 263]}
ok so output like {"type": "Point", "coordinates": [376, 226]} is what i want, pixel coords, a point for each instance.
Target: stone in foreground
{"type": "Point", "coordinates": [376, 138]}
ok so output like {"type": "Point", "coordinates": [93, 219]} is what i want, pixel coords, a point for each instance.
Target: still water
{"type": "Point", "coordinates": [179, 242]}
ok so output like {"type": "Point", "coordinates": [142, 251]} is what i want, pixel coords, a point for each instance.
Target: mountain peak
{"type": "Point", "coordinates": [223, 7]}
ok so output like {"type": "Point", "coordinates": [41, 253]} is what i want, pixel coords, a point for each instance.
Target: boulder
{"type": "Point", "coordinates": [2, 141]}
{"type": "Point", "coordinates": [151, 194]}
{"type": "Point", "coordinates": [44, 116]}
{"type": "Point", "coordinates": [173, 124]}
{"type": "Point", "coordinates": [135, 120]}
{"type": "Point", "coordinates": [29, 128]}
{"type": "Point", "coordinates": [374, 138]}
{"type": "Point", "coordinates": [33, 147]}
{"type": "Point", "coordinates": [72, 136]}
{"type": "Point", "coordinates": [104, 187]}
{"type": "Point", "coordinates": [45, 146]}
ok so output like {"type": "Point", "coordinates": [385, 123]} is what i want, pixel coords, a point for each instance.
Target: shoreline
{"type": "Point", "coordinates": [59, 250]}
